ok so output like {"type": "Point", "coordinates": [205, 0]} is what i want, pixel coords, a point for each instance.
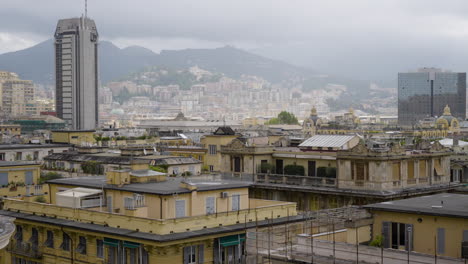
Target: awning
{"type": "Point", "coordinates": [231, 240]}
{"type": "Point", "coordinates": [129, 244]}
{"type": "Point", "coordinates": [111, 242]}
{"type": "Point", "coordinates": [438, 168]}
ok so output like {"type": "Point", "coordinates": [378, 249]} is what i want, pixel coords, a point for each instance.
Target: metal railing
{"type": "Point", "coordinates": [295, 180]}
{"type": "Point", "coordinates": [25, 249]}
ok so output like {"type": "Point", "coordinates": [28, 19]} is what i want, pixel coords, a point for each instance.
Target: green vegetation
{"type": "Point", "coordinates": [40, 199]}
{"type": "Point", "coordinates": [377, 242]}
{"type": "Point", "coordinates": [266, 168]}
{"type": "Point", "coordinates": [49, 176]}
{"type": "Point", "coordinates": [284, 118]}
{"type": "Point", "coordinates": [205, 168]}
{"type": "Point", "coordinates": [328, 172]}
{"type": "Point", "coordinates": [294, 170]}
{"type": "Point", "coordinates": [187, 173]}
{"type": "Point", "coordinates": [92, 167]}
{"type": "Point", "coordinates": [160, 168]}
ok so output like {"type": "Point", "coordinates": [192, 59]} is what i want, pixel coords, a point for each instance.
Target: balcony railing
{"type": "Point", "coordinates": [25, 249]}
{"type": "Point", "coordinates": [295, 180]}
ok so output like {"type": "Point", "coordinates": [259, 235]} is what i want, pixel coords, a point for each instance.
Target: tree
{"type": "Point", "coordinates": [285, 118]}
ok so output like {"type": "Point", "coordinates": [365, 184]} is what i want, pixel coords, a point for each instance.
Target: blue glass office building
{"type": "Point", "coordinates": [426, 92]}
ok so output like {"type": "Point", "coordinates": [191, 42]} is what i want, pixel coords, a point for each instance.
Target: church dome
{"type": "Point", "coordinates": [447, 119]}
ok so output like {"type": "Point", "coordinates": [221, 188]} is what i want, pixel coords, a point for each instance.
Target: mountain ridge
{"type": "Point", "coordinates": [37, 62]}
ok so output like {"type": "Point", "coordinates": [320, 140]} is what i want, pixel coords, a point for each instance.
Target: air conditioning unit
{"type": "Point", "coordinates": [224, 195]}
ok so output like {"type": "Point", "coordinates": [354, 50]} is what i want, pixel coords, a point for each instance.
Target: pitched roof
{"type": "Point", "coordinates": [327, 141]}
{"type": "Point", "coordinates": [224, 130]}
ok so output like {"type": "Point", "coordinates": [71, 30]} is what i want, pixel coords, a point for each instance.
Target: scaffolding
{"type": "Point", "coordinates": [332, 236]}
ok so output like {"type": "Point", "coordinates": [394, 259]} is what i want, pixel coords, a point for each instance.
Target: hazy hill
{"type": "Point", "coordinates": [37, 62]}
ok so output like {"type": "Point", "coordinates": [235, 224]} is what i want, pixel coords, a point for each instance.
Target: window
{"type": "Point", "coordinates": [397, 235]}
{"type": "Point", "coordinates": [138, 200]}
{"type": "Point", "coordinates": [192, 169]}
{"type": "Point", "coordinates": [99, 248]}
{"type": "Point", "coordinates": [194, 254]}
{"type": "Point", "coordinates": [2, 156]}
{"type": "Point", "coordinates": [211, 168]}
{"type": "Point", "coordinates": [360, 171]}
{"type": "Point", "coordinates": [212, 149]}
{"type": "Point", "coordinates": [311, 167]}
{"type": "Point", "coordinates": [263, 166]}
{"type": "Point", "coordinates": [19, 155]}
{"type": "Point", "coordinates": [235, 202]}
{"type": "Point", "coordinates": [81, 248]}
{"type": "Point", "coordinates": [440, 240]}
{"type": "Point", "coordinates": [144, 256]}
{"type": "Point", "coordinates": [36, 155]}
{"type": "Point", "coordinates": [180, 208]}
{"type": "Point", "coordinates": [50, 239]}
{"type": "Point", "coordinates": [109, 204]}
{"type": "Point", "coordinates": [3, 179]}
{"type": "Point", "coordinates": [34, 240]}
{"type": "Point", "coordinates": [210, 205]}
{"type": "Point", "coordinates": [175, 170]}
{"type": "Point", "coordinates": [19, 233]}
{"type": "Point", "coordinates": [28, 177]}
{"type": "Point", "coordinates": [65, 242]}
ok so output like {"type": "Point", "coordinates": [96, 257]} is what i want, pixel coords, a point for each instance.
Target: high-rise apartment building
{"type": "Point", "coordinates": [427, 91]}
{"type": "Point", "coordinates": [16, 95]}
{"type": "Point", "coordinates": [76, 72]}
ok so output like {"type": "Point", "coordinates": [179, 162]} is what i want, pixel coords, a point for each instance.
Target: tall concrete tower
{"type": "Point", "coordinates": [76, 72]}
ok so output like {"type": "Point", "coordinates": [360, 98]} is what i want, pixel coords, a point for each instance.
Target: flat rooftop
{"type": "Point", "coordinates": [442, 204]}
{"type": "Point", "coordinates": [32, 146]}
{"type": "Point", "coordinates": [168, 187]}
{"type": "Point", "coordinates": [17, 163]}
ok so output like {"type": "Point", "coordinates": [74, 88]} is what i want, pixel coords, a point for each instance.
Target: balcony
{"type": "Point", "coordinates": [295, 180]}
{"type": "Point", "coordinates": [25, 249]}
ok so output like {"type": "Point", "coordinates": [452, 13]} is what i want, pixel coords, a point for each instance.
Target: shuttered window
{"type": "Point", "coordinates": [194, 254]}
{"type": "Point", "coordinates": [180, 208]}
{"type": "Point", "coordinates": [440, 240]}
{"type": "Point", "coordinates": [210, 205]}
{"type": "Point", "coordinates": [3, 178]}
{"type": "Point", "coordinates": [235, 202]}
{"type": "Point", "coordinates": [28, 177]}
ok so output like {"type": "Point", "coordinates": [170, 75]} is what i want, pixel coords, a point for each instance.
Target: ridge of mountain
{"type": "Point", "coordinates": [37, 62]}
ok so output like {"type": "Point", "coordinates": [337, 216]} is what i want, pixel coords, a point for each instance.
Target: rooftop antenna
{"type": "Point", "coordinates": [86, 9]}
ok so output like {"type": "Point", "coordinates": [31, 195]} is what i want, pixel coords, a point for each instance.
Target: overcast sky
{"type": "Point", "coordinates": [328, 35]}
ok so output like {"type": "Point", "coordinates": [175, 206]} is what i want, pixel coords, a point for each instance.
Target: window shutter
{"type": "Point", "coordinates": [3, 178]}
{"type": "Point", "coordinates": [216, 252]}
{"type": "Point", "coordinates": [440, 240]}
{"type": "Point", "coordinates": [201, 254]}
{"type": "Point", "coordinates": [28, 177]}
{"type": "Point", "coordinates": [386, 234]}
{"type": "Point", "coordinates": [409, 237]}
{"type": "Point", "coordinates": [186, 255]}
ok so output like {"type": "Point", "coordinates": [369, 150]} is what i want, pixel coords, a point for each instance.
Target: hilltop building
{"type": "Point", "coordinates": [76, 72]}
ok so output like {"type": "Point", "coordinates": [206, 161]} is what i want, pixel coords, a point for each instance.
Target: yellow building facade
{"type": "Point", "coordinates": [103, 219]}
{"type": "Point", "coordinates": [433, 225]}
{"type": "Point", "coordinates": [75, 137]}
